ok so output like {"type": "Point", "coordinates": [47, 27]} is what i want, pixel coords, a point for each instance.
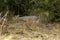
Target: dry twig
{"type": "Point", "coordinates": [4, 18]}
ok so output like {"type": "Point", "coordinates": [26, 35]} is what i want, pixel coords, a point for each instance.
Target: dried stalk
{"type": "Point", "coordinates": [4, 18]}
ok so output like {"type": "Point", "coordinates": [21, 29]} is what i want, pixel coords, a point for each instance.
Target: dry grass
{"type": "Point", "coordinates": [31, 30]}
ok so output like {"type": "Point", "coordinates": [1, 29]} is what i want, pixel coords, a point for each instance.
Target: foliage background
{"type": "Point", "coordinates": [48, 10]}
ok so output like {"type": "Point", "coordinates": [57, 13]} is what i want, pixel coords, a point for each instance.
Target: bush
{"type": "Point", "coordinates": [32, 7]}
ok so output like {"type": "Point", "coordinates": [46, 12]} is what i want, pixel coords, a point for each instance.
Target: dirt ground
{"type": "Point", "coordinates": [31, 30]}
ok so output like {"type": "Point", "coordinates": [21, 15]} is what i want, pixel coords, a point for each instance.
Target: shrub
{"type": "Point", "coordinates": [32, 7]}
